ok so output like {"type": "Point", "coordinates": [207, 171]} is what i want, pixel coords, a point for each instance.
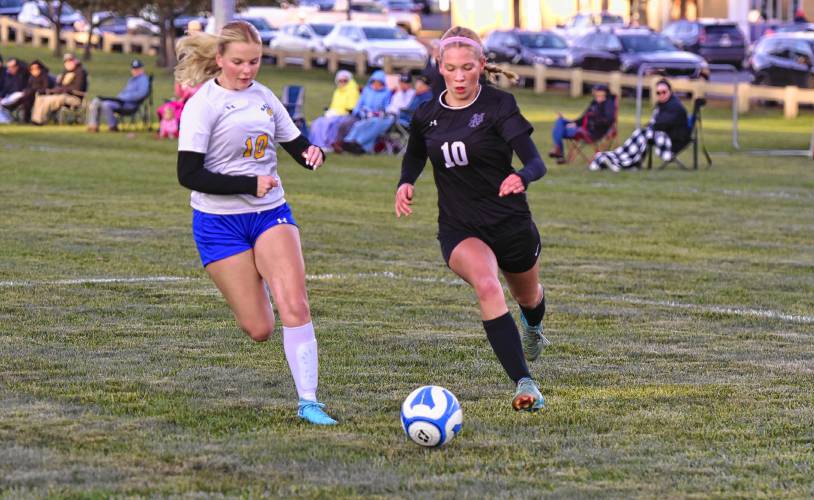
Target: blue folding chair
{"type": "Point", "coordinates": [294, 102]}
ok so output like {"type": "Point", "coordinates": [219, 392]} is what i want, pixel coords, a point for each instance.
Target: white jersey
{"type": "Point", "coordinates": [237, 130]}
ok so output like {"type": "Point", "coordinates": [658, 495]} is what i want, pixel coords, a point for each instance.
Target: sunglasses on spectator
{"type": "Point", "coordinates": [662, 92]}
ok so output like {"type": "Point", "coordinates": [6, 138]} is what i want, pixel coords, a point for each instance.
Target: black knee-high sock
{"type": "Point", "coordinates": [502, 334]}
{"type": "Point", "coordinates": [534, 315]}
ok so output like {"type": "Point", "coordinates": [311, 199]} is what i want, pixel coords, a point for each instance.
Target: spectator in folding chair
{"type": "Point", "coordinates": [362, 137]}
{"type": "Point", "coordinates": [667, 131]}
{"type": "Point", "coordinates": [69, 91]}
{"type": "Point", "coordinates": [15, 80]}
{"type": "Point", "coordinates": [128, 100]}
{"type": "Point", "coordinates": [372, 102]}
{"type": "Point", "coordinates": [395, 139]}
{"type": "Point", "coordinates": [39, 81]}
{"type": "Point", "coordinates": [344, 99]}
{"type": "Point", "coordinates": [589, 127]}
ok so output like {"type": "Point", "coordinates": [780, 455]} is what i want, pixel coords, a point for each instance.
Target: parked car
{"type": "Point", "coordinates": [267, 32]}
{"type": "Point", "coordinates": [401, 6]}
{"type": "Point", "coordinates": [717, 41]}
{"type": "Point", "coordinates": [36, 12]}
{"type": "Point", "coordinates": [111, 22]}
{"type": "Point", "coordinates": [376, 40]}
{"type": "Point", "coordinates": [301, 36]}
{"type": "Point", "coordinates": [10, 8]}
{"type": "Point", "coordinates": [370, 10]}
{"type": "Point", "coordinates": [627, 49]}
{"type": "Point", "coordinates": [583, 23]}
{"type": "Point", "coordinates": [527, 47]}
{"type": "Point", "coordinates": [319, 4]}
{"type": "Point", "coordinates": [783, 59]}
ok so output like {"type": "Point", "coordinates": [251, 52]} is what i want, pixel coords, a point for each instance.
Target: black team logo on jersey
{"type": "Point", "coordinates": [476, 120]}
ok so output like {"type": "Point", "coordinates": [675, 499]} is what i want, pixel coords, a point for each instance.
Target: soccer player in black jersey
{"type": "Point", "coordinates": [470, 133]}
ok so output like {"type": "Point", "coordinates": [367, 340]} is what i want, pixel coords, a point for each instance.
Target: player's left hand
{"type": "Point", "coordinates": [512, 184]}
{"type": "Point", "coordinates": [313, 157]}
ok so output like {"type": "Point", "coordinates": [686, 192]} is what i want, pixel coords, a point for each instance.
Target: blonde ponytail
{"type": "Point", "coordinates": [196, 52]}
{"type": "Point", "coordinates": [493, 70]}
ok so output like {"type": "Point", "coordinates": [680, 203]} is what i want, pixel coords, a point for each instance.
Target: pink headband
{"type": "Point", "coordinates": [459, 39]}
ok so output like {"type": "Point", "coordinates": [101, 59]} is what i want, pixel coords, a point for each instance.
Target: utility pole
{"type": "Point", "coordinates": [223, 11]}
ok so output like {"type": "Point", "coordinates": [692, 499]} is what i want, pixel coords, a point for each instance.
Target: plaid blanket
{"type": "Point", "coordinates": [631, 153]}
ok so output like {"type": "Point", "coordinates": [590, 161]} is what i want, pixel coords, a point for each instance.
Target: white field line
{"type": "Point", "coordinates": [732, 311]}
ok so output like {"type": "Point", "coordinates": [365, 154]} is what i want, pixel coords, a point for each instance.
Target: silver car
{"type": "Point", "coordinates": [301, 36]}
{"type": "Point", "coordinates": [376, 41]}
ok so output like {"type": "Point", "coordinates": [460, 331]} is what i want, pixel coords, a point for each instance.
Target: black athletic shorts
{"type": "Point", "coordinates": [516, 243]}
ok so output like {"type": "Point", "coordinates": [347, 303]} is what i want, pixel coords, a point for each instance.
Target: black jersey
{"type": "Point", "coordinates": [470, 154]}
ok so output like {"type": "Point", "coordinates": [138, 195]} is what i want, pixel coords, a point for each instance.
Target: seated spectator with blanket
{"type": "Point", "coordinates": [15, 79]}
{"type": "Point", "coordinates": [594, 122]}
{"type": "Point", "coordinates": [344, 99]}
{"type": "Point", "coordinates": [373, 102]}
{"type": "Point", "coordinates": [362, 137]}
{"type": "Point", "coordinates": [668, 131]}
{"type": "Point", "coordinates": [39, 81]}
{"type": "Point", "coordinates": [136, 89]}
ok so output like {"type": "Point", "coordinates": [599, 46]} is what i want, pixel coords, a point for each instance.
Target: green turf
{"type": "Point", "coordinates": [680, 307]}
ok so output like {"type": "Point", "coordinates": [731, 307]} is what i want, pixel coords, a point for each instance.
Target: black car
{"type": "Point", "coordinates": [11, 7]}
{"type": "Point", "coordinates": [716, 41]}
{"type": "Point", "coordinates": [627, 49]}
{"type": "Point", "coordinates": [783, 59]}
{"type": "Point", "coordinates": [527, 48]}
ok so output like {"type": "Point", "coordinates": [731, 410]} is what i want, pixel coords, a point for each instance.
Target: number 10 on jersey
{"type": "Point", "coordinates": [454, 154]}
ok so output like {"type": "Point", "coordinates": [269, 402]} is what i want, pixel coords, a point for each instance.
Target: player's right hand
{"type": "Point", "coordinates": [265, 183]}
{"type": "Point", "coordinates": [404, 198]}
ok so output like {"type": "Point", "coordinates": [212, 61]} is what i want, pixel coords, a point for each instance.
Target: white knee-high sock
{"type": "Point", "coordinates": [300, 346]}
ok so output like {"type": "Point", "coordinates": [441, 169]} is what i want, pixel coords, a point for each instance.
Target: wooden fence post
{"type": "Point", "coordinates": [576, 82]}
{"type": "Point", "coordinates": [744, 90]}
{"type": "Point", "coordinates": [280, 59]}
{"type": "Point", "coordinates": [539, 78]}
{"type": "Point", "coordinates": [306, 59]}
{"type": "Point", "coordinates": [361, 64]}
{"type": "Point", "coordinates": [333, 62]}
{"type": "Point", "coordinates": [790, 105]}
{"type": "Point", "coordinates": [4, 30]}
{"type": "Point", "coordinates": [615, 85]}
{"type": "Point", "coordinates": [387, 65]}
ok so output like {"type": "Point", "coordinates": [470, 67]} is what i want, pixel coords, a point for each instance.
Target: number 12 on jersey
{"type": "Point", "coordinates": [455, 154]}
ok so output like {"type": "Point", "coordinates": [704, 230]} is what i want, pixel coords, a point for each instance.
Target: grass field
{"type": "Point", "coordinates": [681, 311]}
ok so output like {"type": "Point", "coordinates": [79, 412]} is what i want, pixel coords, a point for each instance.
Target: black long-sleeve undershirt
{"type": "Point", "coordinates": [415, 157]}
{"type": "Point", "coordinates": [193, 175]}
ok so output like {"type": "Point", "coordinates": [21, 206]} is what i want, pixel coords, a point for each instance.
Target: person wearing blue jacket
{"type": "Point", "coordinates": [372, 102]}
{"type": "Point", "coordinates": [135, 91]}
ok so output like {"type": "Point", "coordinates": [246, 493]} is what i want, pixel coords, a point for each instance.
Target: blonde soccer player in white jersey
{"type": "Point", "coordinates": [242, 225]}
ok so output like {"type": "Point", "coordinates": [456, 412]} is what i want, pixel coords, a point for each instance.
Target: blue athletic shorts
{"type": "Point", "coordinates": [221, 236]}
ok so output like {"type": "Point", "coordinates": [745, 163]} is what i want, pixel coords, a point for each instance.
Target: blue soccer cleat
{"type": "Point", "coordinates": [527, 397]}
{"type": "Point", "coordinates": [313, 413]}
{"type": "Point", "coordinates": [533, 339]}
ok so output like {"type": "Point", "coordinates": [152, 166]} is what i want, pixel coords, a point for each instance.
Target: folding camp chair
{"type": "Point", "coordinates": [294, 102]}
{"type": "Point", "coordinates": [141, 114]}
{"type": "Point", "coordinates": [574, 145]}
{"type": "Point", "coordinates": [694, 123]}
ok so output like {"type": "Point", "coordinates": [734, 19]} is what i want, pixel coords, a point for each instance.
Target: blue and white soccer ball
{"type": "Point", "coordinates": [431, 416]}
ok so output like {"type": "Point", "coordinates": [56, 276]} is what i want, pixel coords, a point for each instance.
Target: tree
{"type": "Point", "coordinates": [53, 13]}
{"type": "Point", "coordinates": [88, 7]}
{"type": "Point", "coordinates": [164, 13]}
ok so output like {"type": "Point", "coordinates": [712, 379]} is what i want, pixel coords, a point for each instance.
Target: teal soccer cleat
{"type": "Point", "coordinates": [313, 413]}
{"type": "Point", "coordinates": [533, 339]}
{"type": "Point", "coordinates": [527, 397]}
